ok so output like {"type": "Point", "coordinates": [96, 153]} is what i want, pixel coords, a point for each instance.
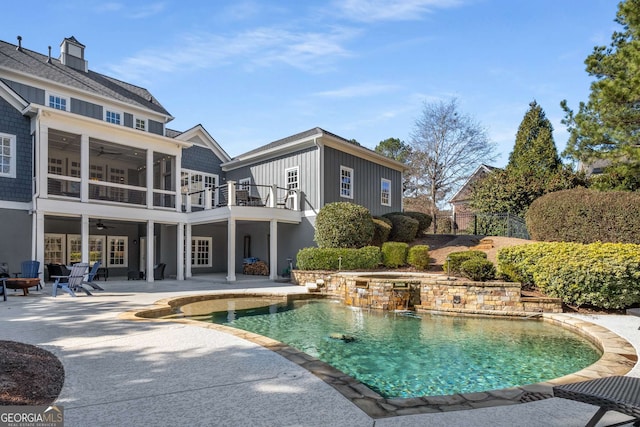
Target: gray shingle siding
{"type": "Point", "coordinates": [201, 159]}
{"type": "Point", "coordinates": [29, 93]}
{"type": "Point", "coordinates": [367, 177]}
{"type": "Point", "coordinates": [18, 189]}
{"type": "Point", "coordinates": [156, 127]}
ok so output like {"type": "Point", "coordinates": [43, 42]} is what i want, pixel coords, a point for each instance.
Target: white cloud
{"type": "Point", "coordinates": [390, 10]}
{"type": "Point", "coordinates": [262, 47]}
{"type": "Point", "coordinates": [147, 10]}
{"type": "Point", "coordinates": [361, 90]}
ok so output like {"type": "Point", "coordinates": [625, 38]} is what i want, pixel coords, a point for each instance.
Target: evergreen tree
{"type": "Point", "coordinates": [608, 125]}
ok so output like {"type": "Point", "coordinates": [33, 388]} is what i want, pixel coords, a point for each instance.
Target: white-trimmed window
{"type": "Point", "coordinates": [139, 123]}
{"type": "Point", "coordinates": [244, 184]}
{"type": "Point", "coordinates": [7, 155]}
{"type": "Point", "coordinates": [96, 248]}
{"type": "Point", "coordinates": [385, 192]}
{"type": "Point", "coordinates": [292, 178]}
{"type": "Point", "coordinates": [54, 248]}
{"type": "Point", "coordinates": [201, 251]}
{"type": "Point", "coordinates": [113, 117]}
{"type": "Point", "coordinates": [194, 183]}
{"type": "Point", "coordinates": [346, 182]}
{"type": "Point", "coordinates": [57, 101]}
{"type": "Point", "coordinates": [117, 251]}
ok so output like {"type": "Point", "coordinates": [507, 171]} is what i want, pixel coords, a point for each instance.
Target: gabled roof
{"type": "Point", "coordinates": [198, 135]}
{"type": "Point", "coordinates": [30, 63]}
{"type": "Point", "coordinates": [306, 139]}
{"type": "Point", "coordinates": [486, 169]}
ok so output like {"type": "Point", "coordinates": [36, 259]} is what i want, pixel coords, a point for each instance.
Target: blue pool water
{"type": "Point", "coordinates": [401, 356]}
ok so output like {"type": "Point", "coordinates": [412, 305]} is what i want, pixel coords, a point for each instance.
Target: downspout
{"type": "Point", "coordinates": [34, 202]}
{"type": "Point", "coordinates": [320, 169]}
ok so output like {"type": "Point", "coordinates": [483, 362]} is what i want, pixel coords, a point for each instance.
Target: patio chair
{"type": "Point", "coordinates": [3, 287]}
{"type": "Point", "coordinates": [91, 276]}
{"type": "Point", "coordinates": [72, 282]}
{"type": "Point", "coordinates": [617, 393]}
{"type": "Point", "coordinates": [242, 197]}
{"type": "Point", "coordinates": [158, 271]}
{"type": "Point", "coordinates": [30, 270]}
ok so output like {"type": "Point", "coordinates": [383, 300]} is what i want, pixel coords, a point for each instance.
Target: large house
{"type": "Point", "coordinates": [90, 171]}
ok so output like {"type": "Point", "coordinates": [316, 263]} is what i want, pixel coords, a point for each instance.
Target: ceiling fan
{"type": "Point", "coordinates": [112, 153]}
{"type": "Point", "coordinates": [101, 225]}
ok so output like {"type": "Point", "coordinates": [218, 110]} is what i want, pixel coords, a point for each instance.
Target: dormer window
{"type": "Point", "coordinates": [140, 124]}
{"type": "Point", "coordinates": [58, 102]}
{"type": "Point", "coordinates": [112, 117]}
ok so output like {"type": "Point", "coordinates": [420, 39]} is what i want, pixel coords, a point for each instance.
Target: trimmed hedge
{"type": "Point", "coordinates": [585, 216]}
{"type": "Point", "coordinates": [394, 254]}
{"type": "Point", "coordinates": [367, 257]}
{"type": "Point", "coordinates": [604, 275]}
{"type": "Point", "coordinates": [455, 260]}
{"type": "Point", "coordinates": [343, 225]}
{"type": "Point", "coordinates": [381, 231]}
{"type": "Point", "coordinates": [424, 220]}
{"type": "Point", "coordinates": [404, 228]}
{"type": "Point", "coordinates": [478, 269]}
{"type": "Point", "coordinates": [418, 256]}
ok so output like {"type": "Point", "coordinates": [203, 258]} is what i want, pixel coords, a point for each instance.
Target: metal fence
{"type": "Point", "coordinates": [490, 224]}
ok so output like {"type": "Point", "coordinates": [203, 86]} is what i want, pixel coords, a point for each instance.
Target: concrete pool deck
{"type": "Point", "coordinates": [120, 372]}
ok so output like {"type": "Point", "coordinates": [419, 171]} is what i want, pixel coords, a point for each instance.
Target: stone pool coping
{"type": "Point", "coordinates": [618, 358]}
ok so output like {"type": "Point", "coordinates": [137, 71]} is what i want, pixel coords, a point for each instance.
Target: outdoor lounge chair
{"type": "Point", "coordinates": [91, 276]}
{"type": "Point", "coordinates": [30, 270]}
{"type": "Point", "coordinates": [73, 282]}
{"type": "Point", "coordinates": [158, 271]}
{"type": "Point", "coordinates": [617, 393]}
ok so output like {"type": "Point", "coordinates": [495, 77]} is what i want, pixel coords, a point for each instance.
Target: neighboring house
{"type": "Point", "coordinates": [460, 209]}
{"type": "Point", "coordinates": [89, 171]}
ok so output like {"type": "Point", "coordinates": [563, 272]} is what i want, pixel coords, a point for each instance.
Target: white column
{"type": "Point", "coordinates": [43, 163]}
{"type": "Point", "coordinates": [150, 180]}
{"type": "Point", "coordinates": [177, 161]}
{"type": "Point", "coordinates": [231, 250]}
{"type": "Point", "coordinates": [84, 236]}
{"type": "Point", "coordinates": [151, 256]}
{"type": "Point", "coordinates": [180, 251]}
{"type": "Point", "coordinates": [188, 255]}
{"type": "Point", "coordinates": [231, 193]}
{"type": "Point", "coordinates": [40, 238]}
{"type": "Point", "coordinates": [273, 194]}
{"type": "Point", "coordinates": [84, 168]}
{"type": "Point", "coordinates": [273, 249]}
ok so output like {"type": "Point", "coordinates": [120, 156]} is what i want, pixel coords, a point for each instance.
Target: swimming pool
{"type": "Point", "coordinates": [401, 356]}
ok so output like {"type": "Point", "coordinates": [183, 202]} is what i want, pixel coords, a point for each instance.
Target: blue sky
{"type": "Point", "coordinates": [252, 72]}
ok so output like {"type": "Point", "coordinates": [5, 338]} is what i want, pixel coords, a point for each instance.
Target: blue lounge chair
{"type": "Point", "coordinates": [92, 275]}
{"type": "Point", "coordinates": [73, 282]}
{"type": "Point", "coordinates": [30, 270]}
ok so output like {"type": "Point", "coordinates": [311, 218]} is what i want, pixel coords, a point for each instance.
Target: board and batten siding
{"type": "Point", "coordinates": [367, 177]}
{"type": "Point", "coordinates": [272, 171]}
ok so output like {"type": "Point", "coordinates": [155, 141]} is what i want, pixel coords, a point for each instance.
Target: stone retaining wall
{"type": "Point", "coordinates": [432, 292]}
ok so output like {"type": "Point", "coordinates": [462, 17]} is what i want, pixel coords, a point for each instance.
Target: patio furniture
{"type": "Point", "coordinates": [30, 270]}
{"type": "Point", "coordinates": [158, 271]}
{"type": "Point", "coordinates": [72, 282]}
{"type": "Point", "coordinates": [92, 275]}
{"type": "Point", "coordinates": [617, 393]}
{"type": "Point", "coordinates": [3, 288]}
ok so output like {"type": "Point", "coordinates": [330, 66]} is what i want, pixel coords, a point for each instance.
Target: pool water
{"type": "Point", "coordinates": [403, 356]}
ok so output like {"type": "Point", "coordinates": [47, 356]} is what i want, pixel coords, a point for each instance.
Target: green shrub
{"type": "Point", "coordinates": [335, 259]}
{"type": "Point", "coordinates": [444, 225]}
{"type": "Point", "coordinates": [478, 269]}
{"type": "Point", "coordinates": [418, 256]}
{"type": "Point", "coordinates": [455, 260]}
{"type": "Point", "coordinates": [585, 216]}
{"type": "Point", "coordinates": [603, 275]}
{"type": "Point", "coordinates": [404, 228]}
{"type": "Point", "coordinates": [394, 254]}
{"type": "Point", "coordinates": [381, 231]}
{"type": "Point", "coordinates": [424, 220]}
{"type": "Point", "coordinates": [343, 225]}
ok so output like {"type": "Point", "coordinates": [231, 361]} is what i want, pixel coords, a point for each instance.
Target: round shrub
{"type": "Point", "coordinates": [585, 216]}
{"type": "Point", "coordinates": [418, 256]}
{"type": "Point", "coordinates": [424, 220]}
{"type": "Point", "coordinates": [394, 254]}
{"type": "Point", "coordinates": [478, 269]}
{"type": "Point", "coordinates": [343, 225]}
{"type": "Point", "coordinates": [381, 231]}
{"type": "Point", "coordinates": [404, 228]}
{"type": "Point", "coordinates": [336, 259]}
{"type": "Point", "coordinates": [444, 225]}
{"type": "Point", "coordinates": [455, 260]}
